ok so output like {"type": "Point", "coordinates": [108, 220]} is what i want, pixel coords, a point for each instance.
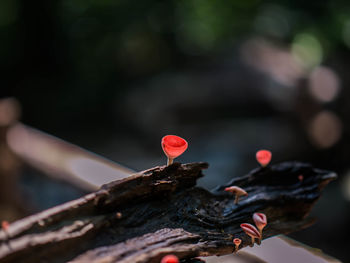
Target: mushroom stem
{"type": "Point", "coordinates": [253, 241]}
{"type": "Point", "coordinates": [237, 242]}
{"type": "Point", "coordinates": [170, 160]}
{"type": "Point", "coordinates": [259, 239]}
{"type": "Point", "coordinates": [260, 221]}
{"type": "Point", "coordinates": [251, 231]}
{"type": "Point", "coordinates": [237, 191]}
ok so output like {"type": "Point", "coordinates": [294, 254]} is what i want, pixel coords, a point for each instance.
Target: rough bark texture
{"type": "Point", "coordinates": [160, 211]}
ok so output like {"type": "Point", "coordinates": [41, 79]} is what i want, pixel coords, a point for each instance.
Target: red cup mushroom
{"type": "Point", "coordinates": [237, 191]}
{"type": "Point", "coordinates": [5, 225]}
{"type": "Point", "coordinates": [251, 231]}
{"type": "Point", "coordinates": [237, 242]}
{"type": "Point", "coordinates": [118, 215]}
{"type": "Point", "coordinates": [260, 221]}
{"type": "Point", "coordinates": [173, 146]}
{"type": "Point", "coordinates": [170, 259]}
{"type": "Point", "coordinates": [263, 157]}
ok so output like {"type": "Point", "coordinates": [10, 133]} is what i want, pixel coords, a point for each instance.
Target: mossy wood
{"type": "Point", "coordinates": [160, 211]}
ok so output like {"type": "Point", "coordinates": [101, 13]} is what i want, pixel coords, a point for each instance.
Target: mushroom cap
{"type": "Point", "coordinates": [263, 157]}
{"type": "Point", "coordinates": [237, 241]}
{"type": "Point", "coordinates": [173, 146]}
{"type": "Point", "coordinates": [118, 215]}
{"type": "Point", "coordinates": [260, 220]}
{"type": "Point", "coordinates": [170, 259]}
{"type": "Point", "coordinates": [250, 230]}
{"type": "Point", "coordinates": [5, 225]}
{"type": "Point", "coordinates": [236, 190]}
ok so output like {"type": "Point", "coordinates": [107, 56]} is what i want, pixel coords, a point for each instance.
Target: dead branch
{"type": "Point", "coordinates": [160, 211]}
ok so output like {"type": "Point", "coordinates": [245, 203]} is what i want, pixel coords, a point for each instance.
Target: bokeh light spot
{"type": "Point", "coordinates": [324, 84]}
{"type": "Point", "coordinates": [346, 33]}
{"type": "Point", "coordinates": [325, 129]}
{"type": "Point", "coordinates": [307, 50]}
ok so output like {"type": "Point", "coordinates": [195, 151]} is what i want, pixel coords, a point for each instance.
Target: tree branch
{"type": "Point", "coordinates": [160, 211]}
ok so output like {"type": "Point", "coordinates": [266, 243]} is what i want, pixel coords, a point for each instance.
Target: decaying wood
{"type": "Point", "coordinates": [276, 249]}
{"type": "Point", "coordinates": [160, 211]}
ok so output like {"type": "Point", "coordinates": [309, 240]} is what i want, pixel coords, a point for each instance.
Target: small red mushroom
{"type": "Point", "coordinates": [237, 242]}
{"type": "Point", "coordinates": [5, 225]}
{"type": "Point", "coordinates": [251, 231]}
{"type": "Point", "coordinates": [173, 146]}
{"type": "Point", "coordinates": [118, 215]}
{"type": "Point", "coordinates": [260, 221]}
{"type": "Point", "coordinates": [300, 177]}
{"type": "Point", "coordinates": [263, 157]}
{"type": "Point", "coordinates": [237, 191]}
{"type": "Point", "coordinates": [170, 259]}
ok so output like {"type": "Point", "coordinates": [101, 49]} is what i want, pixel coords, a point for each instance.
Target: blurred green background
{"type": "Point", "coordinates": [231, 77]}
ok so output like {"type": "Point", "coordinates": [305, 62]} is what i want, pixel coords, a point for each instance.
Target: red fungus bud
{"type": "Point", "coordinates": [263, 157]}
{"type": "Point", "coordinates": [118, 215]}
{"type": "Point", "coordinates": [301, 178]}
{"type": "Point", "coordinates": [5, 225]}
{"type": "Point", "coordinates": [260, 221]}
{"type": "Point", "coordinates": [237, 242]}
{"type": "Point", "coordinates": [170, 259]}
{"type": "Point", "coordinates": [173, 146]}
{"type": "Point", "coordinates": [251, 231]}
{"type": "Point", "coordinates": [237, 191]}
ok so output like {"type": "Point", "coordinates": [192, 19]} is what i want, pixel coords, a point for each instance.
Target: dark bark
{"type": "Point", "coordinates": [160, 211]}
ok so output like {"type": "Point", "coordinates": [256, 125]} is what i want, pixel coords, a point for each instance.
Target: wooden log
{"type": "Point", "coordinates": [160, 211]}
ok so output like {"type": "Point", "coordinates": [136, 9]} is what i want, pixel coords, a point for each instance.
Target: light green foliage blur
{"type": "Point", "coordinates": [104, 38]}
